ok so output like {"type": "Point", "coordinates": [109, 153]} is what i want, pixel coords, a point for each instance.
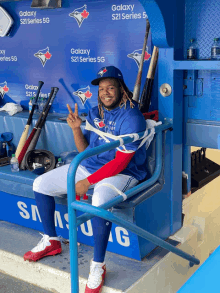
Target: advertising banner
{"type": "Point", "coordinates": [66, 47]}
{"type": "Point", "coordinates": [23, 211]}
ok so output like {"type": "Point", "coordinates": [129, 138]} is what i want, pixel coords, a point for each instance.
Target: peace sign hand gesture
{"type": "Point", "coordinates": [73, 119]}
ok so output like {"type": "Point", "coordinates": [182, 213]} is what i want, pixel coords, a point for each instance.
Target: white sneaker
{"type": "Point", "coordinates": [96, 277]}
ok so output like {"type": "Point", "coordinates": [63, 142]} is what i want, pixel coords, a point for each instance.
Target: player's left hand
{"type": "Point", "coordinates": [82, 187]}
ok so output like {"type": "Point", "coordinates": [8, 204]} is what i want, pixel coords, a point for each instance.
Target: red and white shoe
{"type": "Point", "coordinates": [96, 277]}
{"type": "Point", "coordinates": [47, 246]}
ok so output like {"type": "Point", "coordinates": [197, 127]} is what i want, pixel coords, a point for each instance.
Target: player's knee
{"type": "Point", "coordinates": [38, 183]}
{"type": "Point", "coordinates": [97, 199]}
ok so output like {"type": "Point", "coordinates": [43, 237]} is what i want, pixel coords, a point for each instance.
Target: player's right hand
{"type": "Point", "coordinates": [73, 119]}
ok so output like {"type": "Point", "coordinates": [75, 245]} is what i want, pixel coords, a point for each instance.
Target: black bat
{"type": "Point", "coordinates": [44, 114]}
{"type": "Point", "coordinates": [146, 93]}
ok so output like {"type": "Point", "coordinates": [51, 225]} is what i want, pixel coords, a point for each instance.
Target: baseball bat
{"type": "Point", "coordinates": [34, 141]}
{"type": "Point", "coordinates": [28, 141]}
{"type": "Point", "coordinates": [136, 92]}
{"type": "Point", "coordinates": [27, 126]}
{"type": "Point", "coordinates": [146, 93]}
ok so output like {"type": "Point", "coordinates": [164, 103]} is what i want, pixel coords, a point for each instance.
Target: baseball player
{"type": "Point", "coordinates": [116, 114]}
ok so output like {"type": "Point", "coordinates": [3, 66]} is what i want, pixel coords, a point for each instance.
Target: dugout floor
{"type": "Point", "coordinates": [159, 272]}
{"type": "Point", "coordinates": [122, 272]}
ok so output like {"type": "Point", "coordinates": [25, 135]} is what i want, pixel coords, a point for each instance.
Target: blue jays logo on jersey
{"type": "Point", "coordinates": [99, 123]}
{"type": "Point", "coordinates": [136, 55]}
{"type": "Point", "coordinates": [43, 55]}
{"type": "Point", "coordinates": [3, 89]}
{"type": "Point", "coordinates": [80, 14]}
{"type": "Point", "coordinates": [84, 94]}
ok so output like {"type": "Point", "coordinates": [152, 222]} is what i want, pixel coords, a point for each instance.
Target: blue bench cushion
{"type": "Point", "coordinates": [23, 177]}
{"type": "Point", "coordinates": [21, 184]}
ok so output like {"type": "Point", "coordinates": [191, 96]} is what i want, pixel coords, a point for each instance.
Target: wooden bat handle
{"type": "Point", "coordinates": [23, 151]}
{"type": "Point", "coordinates": [136, 91]}
{"type": "Point", "coordinates": [22, 141]}
{"type": "Point", "coordinates": [153, 63]}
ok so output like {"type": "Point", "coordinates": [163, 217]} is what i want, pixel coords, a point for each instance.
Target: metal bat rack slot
{"type": "Point", "coordinates": [91, 211]}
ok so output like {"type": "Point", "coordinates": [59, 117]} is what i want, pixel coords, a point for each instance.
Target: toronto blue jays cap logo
{"type": "Point", "coordinates": [84, 94]}
{"type": "Point", "coordinates": [80, 14]}
{"type": "Point", "coordinates": [44, 55]}
{"type": "Point", "coordinates": [3, 89]}
{"type": "Point", "coordinates": [102, 72]}
{"type": "Point", "coordinates": [136, 55]}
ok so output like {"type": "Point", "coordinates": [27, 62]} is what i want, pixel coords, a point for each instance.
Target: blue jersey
{"type": "Point", "coordinates": [119, 121]}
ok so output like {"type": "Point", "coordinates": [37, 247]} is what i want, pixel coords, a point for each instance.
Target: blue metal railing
{"type": "Point", "coordinates": [91, 211]}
